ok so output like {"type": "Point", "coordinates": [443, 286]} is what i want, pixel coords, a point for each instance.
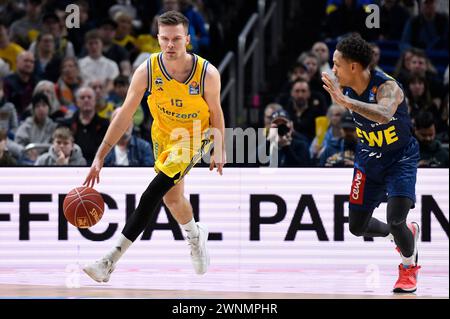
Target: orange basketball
{"type": "Point", "coordinates": [83, 207]}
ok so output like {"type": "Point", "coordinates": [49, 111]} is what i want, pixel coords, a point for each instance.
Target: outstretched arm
{"type": "Point", "coordinates": [120, 123]}
{"type": "Point", "coordinates": [389, 97]}
{"type": "Point", "coordinates": [212, 97]}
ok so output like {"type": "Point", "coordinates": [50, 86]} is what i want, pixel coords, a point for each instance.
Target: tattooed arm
{"type": "Point", "coordinates": [389, 97]}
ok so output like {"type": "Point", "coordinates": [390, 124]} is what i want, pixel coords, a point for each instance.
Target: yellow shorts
{"type": "Point", "coordinates": [178, 157]}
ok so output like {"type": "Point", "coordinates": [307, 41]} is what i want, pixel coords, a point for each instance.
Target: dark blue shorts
{"type": "Point", "coordinates": [378, 177]}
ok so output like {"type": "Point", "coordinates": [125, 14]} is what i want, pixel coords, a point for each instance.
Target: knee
{"type": "Point", "coordinates": [357, 229]}
{"type": "Point", "coordinates": [395, 225]}
{"type": "Point", "coordinates": [172, 202]}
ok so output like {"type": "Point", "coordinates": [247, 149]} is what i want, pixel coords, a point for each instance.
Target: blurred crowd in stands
{"type": "Point", "coordinates": [60, 87]}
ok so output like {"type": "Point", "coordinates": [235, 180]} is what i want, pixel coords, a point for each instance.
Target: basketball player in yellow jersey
{"type": "Point", "coordinates": [185, 103]}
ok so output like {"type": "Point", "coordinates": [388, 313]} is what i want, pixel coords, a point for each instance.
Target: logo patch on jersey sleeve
{"type": "Point", "coordinates": [373, 94]}
{"type": "Point", "coordinates": [358, 184]}
{"type": "Point", "coordinates": [194, 88]}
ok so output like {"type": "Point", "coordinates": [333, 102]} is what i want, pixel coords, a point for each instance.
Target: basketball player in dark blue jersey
{"type": "Point", "coordinates": [387, 153]}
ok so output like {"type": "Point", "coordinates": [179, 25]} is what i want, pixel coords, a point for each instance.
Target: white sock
{"type": "Point", "coordinates": [191, 229]}
{"type": "Point", "coordinates": [121, 247]}
{"type": "Point", "coordinates": [390, 237]}
{"type": "Point", "coordinates": [408, 261]}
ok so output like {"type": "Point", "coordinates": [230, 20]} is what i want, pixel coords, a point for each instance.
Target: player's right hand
{"type": "Point", "coordinates": [94, 173]}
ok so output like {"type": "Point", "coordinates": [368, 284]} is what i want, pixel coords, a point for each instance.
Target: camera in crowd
{"type": "Point", "coordinates": [282, 121]}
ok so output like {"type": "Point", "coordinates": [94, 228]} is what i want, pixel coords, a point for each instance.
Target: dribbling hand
{"type": "Point", "coordinates": [94, 173]}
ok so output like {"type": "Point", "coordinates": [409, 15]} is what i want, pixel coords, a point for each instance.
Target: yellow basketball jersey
{"type": "Point", "coordinates": [174, 104]}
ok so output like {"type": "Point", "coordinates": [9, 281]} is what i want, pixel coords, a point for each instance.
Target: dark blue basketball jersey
{"type": "Point", "coordinates": [376, 137]}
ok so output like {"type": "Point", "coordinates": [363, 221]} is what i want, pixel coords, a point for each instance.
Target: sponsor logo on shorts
{"type": "Point", "coordinates": [357, 192]}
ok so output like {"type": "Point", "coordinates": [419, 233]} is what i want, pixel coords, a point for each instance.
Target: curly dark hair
{"type": "Point", "coordinates": [354, 47]}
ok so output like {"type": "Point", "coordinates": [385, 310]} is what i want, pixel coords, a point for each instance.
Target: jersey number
{"type": "Point", "coordinates": [176, 102]}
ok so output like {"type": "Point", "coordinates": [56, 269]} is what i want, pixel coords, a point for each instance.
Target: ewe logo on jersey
{"type": "Point", "coordinates": [194, 88]}
{"type": "Point", "coordinates": [379, 138]}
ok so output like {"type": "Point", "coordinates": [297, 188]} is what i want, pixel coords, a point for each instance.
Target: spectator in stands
{"type": "Point", "coordinates": [9, 124]}
{"type": "Point", "coordinates": [333, 5]}
{"type": "Point", "coordinates": [199, 35]}
{"type": "Point", "coordinates": [402, 67]}
{"type": "Point", "coordinates": [8, 50]}
{"type": "Point", "coordinates": [103, 107]}
{"type": "Point", "coordinates": [124, 36]}
{"type": "Point", "coordinates": [443, 136]}
{"type": "Point", "coordinates": [63, 151]}
{"type": "Point", "coordinates": [87, 127]}
{"type": "Point", "coordinates": [47, 62]}
{"type": "Point", "coordinates": [48, 88]}
{"type": "Point", "coordinates": [8, 115]}
{"type": "Point", "coordinates": [18, 86]}
{"type": "Point", "coordinates": [77, 35]}
{"type": "Point", "coordinates": [111, 50]}
{"type": "Point", "coordinates": [292, 147]}
{"type": "Point", "coordinates": [428, 30]}
{"type": "Point", "coordinates": [320, 49]}
{"type": "Point", "coordinates": [67, 84]}
{"type": "Point", "coordinates": [348, 17]}
{"type": "Point", "coordinates": [197, 30]}
{"type": "Point", "coordinates": [303, 109]}
{"type": "Point", "coordinates": [167, 5]}
{"type": "Point", "coordinates": [333, 135]}
{"type": "Point", "coordinates": [419, 64]}
{"type": "Point", "coordinates": [298, 72]}
{"type": "Point", "coordinates": [312, 63]}
{"type": "Point", "coordinates": [95, 65]}
{"type": "Point", "coordinates": [39, 127]}
{"type": "Point", "coordinates": [393, 18]}
{"type": "Point", "coordinates": [5, 158]}
{"type": "Point", "coordinates": [130, 150]}
{"type": "Point", "coordinates": [52, 24]}
{"type": "Point", "coordinates": [268, 111]}
{"type": "Point", "coordinates": [117, 97]}
{"type": "Point", "coordinates": [375, 58]}
{"type": "Point", "coordinates": [4, 68]}
{"type": "Point", "coordinates": [344, 154]}
{"type": "Point", "coordinates": [119, 92]}
{"type": "Point", "coordinates": [25, 30]}
{"type": "Point", "coordinates": [419, 97]}
{"type": "Point", "coordinates": [11, 11]}
{"type": "Point", "coordinates": [432, 154]}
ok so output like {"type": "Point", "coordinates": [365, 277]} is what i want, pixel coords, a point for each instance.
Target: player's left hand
{"type": "Point", "coordinates": [219, 161]}
{"type": "Point", "coordinates": [335, 90]}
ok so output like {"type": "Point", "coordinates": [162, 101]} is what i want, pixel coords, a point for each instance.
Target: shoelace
{"type": "Point", "coordinates": [407, 273]}
{"type": "Point", "coordinates": [105, 262]}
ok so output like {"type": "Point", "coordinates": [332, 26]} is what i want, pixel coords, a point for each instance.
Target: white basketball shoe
{"type": "Point", "coordinates": [100, 270]}
{"type": "Point", "coordinates": [199, 250]}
